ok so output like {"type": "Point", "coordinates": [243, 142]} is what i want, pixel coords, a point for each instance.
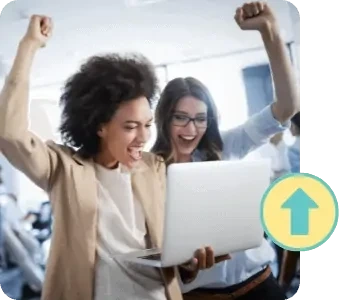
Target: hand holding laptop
{"type": "Point", "coordinates": [213, 203]}
{"type": "Point", "coordinates": [204, 258]}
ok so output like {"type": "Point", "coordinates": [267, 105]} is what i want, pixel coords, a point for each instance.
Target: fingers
{"type": "Point", "coordinates": [210, 259]}
{"type": "Point", "coordinates": [204, 259]}
{"type": "Point", "coordinates": [256, 9]}
{"type": "Point", "coordinates": [239, 16]}
{"type": "Point", "coordinates": [222, 258]}
{"type": "Point", "coordinates": [42, 24]}
{"type": "Point", "coordinates": [201, 257]}
{"type": "Point", "coordinates": [260, 6]}
{"type": "Point", "coordinates": [46, 26]}
{"type": "Point", "coordinates": [191, 266]}
{"type": "Point", "coordinates": [249, 10]}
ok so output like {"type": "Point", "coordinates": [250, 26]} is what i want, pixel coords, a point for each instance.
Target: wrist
{"type": "Point", "coordinates": [29, 45]}
{"type": "Point", "coordinates": [270, 31]}
{"type": "Point", "coordinates": [186, 275]}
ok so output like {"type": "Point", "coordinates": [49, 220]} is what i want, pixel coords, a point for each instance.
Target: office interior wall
{"type": "Point", "coordinates": [223, 76]}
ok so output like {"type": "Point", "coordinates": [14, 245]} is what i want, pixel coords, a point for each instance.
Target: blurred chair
{"type": "Point", "coordinates": [10, 276]}
{"type": "Point", "coordinates": [21, 251]}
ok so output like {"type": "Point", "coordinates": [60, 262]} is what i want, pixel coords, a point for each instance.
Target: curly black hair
{"type": "Point", "coordinates": [91, 96]}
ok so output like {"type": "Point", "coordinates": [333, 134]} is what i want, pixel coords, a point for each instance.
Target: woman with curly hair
{"type": "Point", "coordinates": [107, 194]}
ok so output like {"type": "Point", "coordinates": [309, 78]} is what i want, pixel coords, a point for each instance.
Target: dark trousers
{"type": "Point", "coordinates": [269, 289]}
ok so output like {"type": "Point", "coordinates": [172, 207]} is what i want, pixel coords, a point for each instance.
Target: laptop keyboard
{"type": "Point", "coordinates": [156, 256]}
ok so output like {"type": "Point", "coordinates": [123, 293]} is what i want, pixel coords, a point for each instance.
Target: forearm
{"type": "Point", "coordinates": [285, 84]}
{"type": "Point", "coordinates": [14, 95]}
{"type": "Point", "coordinates": [22, 64]}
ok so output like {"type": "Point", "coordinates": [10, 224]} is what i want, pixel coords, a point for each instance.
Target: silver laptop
{"type": "Point", "coordinates": [213, 204]}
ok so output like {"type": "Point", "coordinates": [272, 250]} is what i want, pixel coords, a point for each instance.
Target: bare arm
{"type": "Point", "coordinates": [257, 130]}
{"type": "Point", "coordinates": [21, 147]}
{"type": "Point", "coordinates": [287, 98]}
{"type": "Point", "coordinates": [258, 16]}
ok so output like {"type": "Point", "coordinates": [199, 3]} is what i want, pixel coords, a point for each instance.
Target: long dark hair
{"type": "Point", "coordinates": [211, 144]}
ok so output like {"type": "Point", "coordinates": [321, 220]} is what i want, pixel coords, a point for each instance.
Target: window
{"type": "Point", "coordinates": [221, 78]}
{"type": "Point", "coordinates": [259, 87]}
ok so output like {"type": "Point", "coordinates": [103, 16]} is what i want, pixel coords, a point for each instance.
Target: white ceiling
{"type": "Point", "coordinates": [166, 31]}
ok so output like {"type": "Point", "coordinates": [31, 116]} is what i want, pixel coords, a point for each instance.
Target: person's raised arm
{"type": "Point", "coordinates": [259, 16]}
{"type": "Point", "coordinates": [274, 118]}
{"type": "Point", "coordinates": [20, 146]}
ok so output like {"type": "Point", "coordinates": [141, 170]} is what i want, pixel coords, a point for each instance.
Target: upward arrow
{"type": "Point", "coordinates": [299, 204]}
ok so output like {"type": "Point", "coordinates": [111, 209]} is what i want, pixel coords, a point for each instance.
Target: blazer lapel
{"type": "Point", "coordinates": [151, 196]}
{"type": "Point", "coordinates": [85, 194]}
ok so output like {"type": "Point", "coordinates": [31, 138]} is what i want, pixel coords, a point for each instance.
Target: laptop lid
{"type": "Point", "coordinates": [213, 204]}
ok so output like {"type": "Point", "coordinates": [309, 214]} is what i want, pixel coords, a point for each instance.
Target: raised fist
{"type": "Point", "coordinates": [39, 30]}
{"type": "Point", "coordinates": [255, 16]}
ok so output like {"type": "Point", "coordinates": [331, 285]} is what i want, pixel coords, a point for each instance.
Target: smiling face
{"type": "Point", "coordinates": [187, 120]}
{"type": "Point", "coordinates": [185, 133]}
{"type": "Point", "coordinates": [123, 138]}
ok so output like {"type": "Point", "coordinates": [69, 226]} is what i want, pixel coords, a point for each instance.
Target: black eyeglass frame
{"type": "Point", "coordinates": [189, 119]}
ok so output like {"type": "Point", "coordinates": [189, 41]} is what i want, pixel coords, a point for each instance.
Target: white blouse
{"type": "Point", "coordinates": [121, 229]}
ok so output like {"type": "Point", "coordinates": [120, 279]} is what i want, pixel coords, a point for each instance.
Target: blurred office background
{"type": "Point", "coordinates": [181, 37]}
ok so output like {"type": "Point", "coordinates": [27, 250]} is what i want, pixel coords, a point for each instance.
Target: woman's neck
{"type": "Point", "coordinates": [183, 158]}
{"type": "Point", "coordinates": [106, 161]}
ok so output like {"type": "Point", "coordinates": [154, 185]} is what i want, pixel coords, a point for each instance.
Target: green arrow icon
{"type": "Point", "coordinates": [299, 204]}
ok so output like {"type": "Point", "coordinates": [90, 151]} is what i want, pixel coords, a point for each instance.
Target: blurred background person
{"type": "Point", "coordinates": [294, 150]}
{"type": "Point", "coordinates": [277, 151]}
{"type": "Point", "coordinates": [289, 276]}
{"type": "Point", "coordinates": [20, 249]}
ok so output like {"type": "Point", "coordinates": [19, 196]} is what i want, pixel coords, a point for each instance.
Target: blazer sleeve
{"type": "Point", "coordinates": [23, 149]}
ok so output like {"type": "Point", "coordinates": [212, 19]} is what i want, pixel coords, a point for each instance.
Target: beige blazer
{"type": "Point", "coordinates": [70, 182]}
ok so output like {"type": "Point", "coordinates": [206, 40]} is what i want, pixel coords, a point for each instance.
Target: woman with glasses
{"type": "Point", "coordinates": [187, 131]}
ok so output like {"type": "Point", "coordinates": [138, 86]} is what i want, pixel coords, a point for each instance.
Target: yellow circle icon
{"type": "Point", "coordinates": [299, 212]}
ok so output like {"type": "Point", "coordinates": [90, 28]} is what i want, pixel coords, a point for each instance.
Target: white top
{"type": "Point", "coordinates": [238, 142]}
{"type": "Point", "coordinates": [121, 229]}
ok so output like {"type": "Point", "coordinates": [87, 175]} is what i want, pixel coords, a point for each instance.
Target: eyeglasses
{"type": "Point", "coordinates": [183, 121]}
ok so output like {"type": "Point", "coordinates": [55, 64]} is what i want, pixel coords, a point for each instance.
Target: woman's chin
{"type": "Point", "coordinates": [187, 151]}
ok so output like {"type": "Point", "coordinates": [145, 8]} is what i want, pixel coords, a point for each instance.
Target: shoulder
{"type": "Point", "coordinates": [60, 149]}
{"type": "Point", "coordinates": [153, 161]}
{"type": "Point", "coordinates": [66, 155]}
